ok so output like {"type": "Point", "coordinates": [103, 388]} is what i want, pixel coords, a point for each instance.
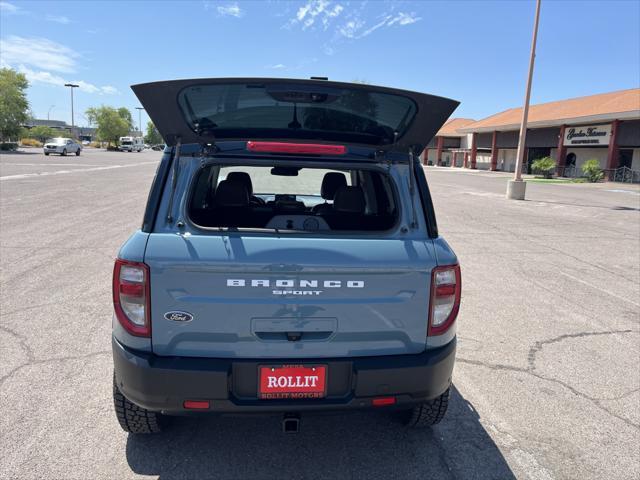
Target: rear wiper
{"type": "Point", "coordinates": [295, 124]}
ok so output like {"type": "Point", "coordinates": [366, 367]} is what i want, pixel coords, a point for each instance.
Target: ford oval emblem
{"type": "Point", "coordinates": [178, 316]}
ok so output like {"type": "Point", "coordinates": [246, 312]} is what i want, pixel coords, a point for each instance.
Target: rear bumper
{"type": "Point", "coordinates": [230, 385]}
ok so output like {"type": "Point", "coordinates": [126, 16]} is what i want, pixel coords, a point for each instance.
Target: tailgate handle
{"type": "Point", "coordinates": [293, 329]}
{"type": "Point", "coordinates": [292, 336]}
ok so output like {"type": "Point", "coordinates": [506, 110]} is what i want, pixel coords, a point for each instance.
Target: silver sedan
{"type": "Point", "coordinates": [62, 146]}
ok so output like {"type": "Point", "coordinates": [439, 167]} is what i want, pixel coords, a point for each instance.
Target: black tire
{"type": "Point", "coordinates": [428, 413]}
{"type": "Point", "coordinates": [132, 418]}
{"type": "Point", "coordinates": [78, 153]}
{"type": "Point", "coordinates": [46, 154]}
{"type": "Point", "coordinates": [64, 152]}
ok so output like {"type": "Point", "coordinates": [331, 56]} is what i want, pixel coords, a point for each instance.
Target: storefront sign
{"type": "Point", "coordinates": [590, 135]}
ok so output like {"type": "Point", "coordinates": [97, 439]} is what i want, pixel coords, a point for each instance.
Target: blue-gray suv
{"type": "Point", "coordinates": [289, 259]}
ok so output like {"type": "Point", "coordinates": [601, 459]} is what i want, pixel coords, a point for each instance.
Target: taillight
{"type": "Point", "coordinates": [445, 298]}
{"type": "Point", "coordinates": [131, 297]}
{"type": "Point", "coordinates": [300, 148]}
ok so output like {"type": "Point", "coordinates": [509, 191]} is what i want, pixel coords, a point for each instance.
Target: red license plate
{"type": "Point", "coordinates": [292, 381]}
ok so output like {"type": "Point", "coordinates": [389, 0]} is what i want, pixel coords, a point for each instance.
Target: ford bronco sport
{"type": "Point", "coordinates": [288, 260]}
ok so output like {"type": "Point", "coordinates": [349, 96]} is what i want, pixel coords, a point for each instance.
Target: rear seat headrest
{"type": "Point", "coordinates": [331, 182]}
{"type": "Point", "coordinates": [241, 177]}
{"type": "Point", "coordinates": [232, 194]}
{"type": "Point", "coordinates": [349, 200]}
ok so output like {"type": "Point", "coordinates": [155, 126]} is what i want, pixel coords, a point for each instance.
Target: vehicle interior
{"type": "Point", "coordinates": [293, 198]}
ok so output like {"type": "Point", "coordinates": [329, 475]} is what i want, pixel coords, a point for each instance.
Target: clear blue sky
{"type": "Point", "coordinates": [473, 51]}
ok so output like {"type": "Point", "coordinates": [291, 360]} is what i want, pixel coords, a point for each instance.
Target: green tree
{"type": "Point", "coordinates": [544, 166]}
{"type": "Point", "coordinates": [591, 169]}
{"type": "Point", "coordinates": [126, 114]}
{"type": "Point", "coordinates": [14, 106]}
{"type": "Point", "coordinates": [111, 123]}
{"type": "Point", "coordinates": [152, 137]}
{"type": "Point", "coordinates": [42, 133]}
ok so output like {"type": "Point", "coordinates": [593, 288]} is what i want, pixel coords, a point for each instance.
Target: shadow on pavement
{"type": "Point", "coordinates": [362, 445]}
{"type": "Point", "coordinates": [35, 151]}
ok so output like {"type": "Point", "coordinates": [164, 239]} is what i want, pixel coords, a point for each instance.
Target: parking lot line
{"type": "Point", "coordinates": [63, 172]}
{"type": "Point", "coordinates": [51, 164]}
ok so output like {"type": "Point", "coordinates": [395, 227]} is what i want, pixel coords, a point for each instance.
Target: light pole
{"type": "Point", "coordinates": [72, 86]}
{"type": "Point", "coordinates": [49, 111]}
{"type": "Point", "coordinates": [140, 118]}
{"type": "Point", "coordinates": [516, 188]}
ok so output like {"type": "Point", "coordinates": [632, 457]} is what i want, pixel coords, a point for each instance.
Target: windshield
{"type": "Point", "coordinates": [290, 110]}
{"type": "Point", "coordinates": [126, 142]}
{"type": "Point", "coordinates": [58, 141]}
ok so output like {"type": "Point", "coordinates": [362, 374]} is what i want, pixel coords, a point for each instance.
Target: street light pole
{"type": "Point", "coordinates": [516, 188]}
{"type": "Point", "coordinates": [72, 86]}
{"type": "Point", "coordinates": [140, 118]}
{"type": "Point", "coordinates": [49, 111]}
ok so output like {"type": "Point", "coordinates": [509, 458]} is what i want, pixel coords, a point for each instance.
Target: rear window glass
{"type": "Point", "coordinates": [290, 110]}
{"type": "Point", "coordinates": [293, 198]}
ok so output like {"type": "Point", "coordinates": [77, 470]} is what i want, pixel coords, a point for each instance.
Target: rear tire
{"type": "Point", "coordinates": [429, 413]}
{"type": "Point", "coordinates": [78, 153]}
{"type": "Point", "coordinates": [132, 418]}
{"type": "Point", "coordinates": [64, 152]}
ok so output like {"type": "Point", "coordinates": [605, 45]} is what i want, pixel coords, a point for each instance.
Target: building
{"type": "Point", "coordinates": [449, 147]}
{"type": "Point", "coordinates": [604, 126]}
{"type": "Point", "coordinates": [82, 133]}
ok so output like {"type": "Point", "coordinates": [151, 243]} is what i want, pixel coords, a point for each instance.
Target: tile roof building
{"type": "Point", "coordinates": [604, 126]}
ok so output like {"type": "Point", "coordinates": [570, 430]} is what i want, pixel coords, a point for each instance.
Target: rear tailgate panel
{"type": "Point", "coordinates": [383, 311]}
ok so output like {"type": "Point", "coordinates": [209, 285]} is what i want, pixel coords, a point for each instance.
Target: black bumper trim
{"type": "Point", "coordinates": [163, 383]}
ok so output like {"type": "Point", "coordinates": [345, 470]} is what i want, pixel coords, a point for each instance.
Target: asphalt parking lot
{"type": "Point", "coordinates": [546, 385]}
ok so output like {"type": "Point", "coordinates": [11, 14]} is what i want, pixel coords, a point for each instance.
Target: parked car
{"type": "Point", "coordinates": [62, 146]}
{"type": "Point", "coordinates": [289, 259]}
{"type": "Point", "coordinates": [158, 147]}
{"type": "Point", "coordinates": [131, 144]}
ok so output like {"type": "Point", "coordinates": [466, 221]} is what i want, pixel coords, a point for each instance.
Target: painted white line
{"type": "Point", "coordinates": [53, 164]}
{"type": "Point", "coordinates": [615, 190]}
{"type": "Point", "coordinates": [63, 172]}
{"type": "Point", "coordinates": [601, 289]}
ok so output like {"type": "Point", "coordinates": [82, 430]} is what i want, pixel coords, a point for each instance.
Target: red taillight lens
{"type": "Point", "coordinates": [131, 297]}
{"type": "Point", "coordinates": [445, 298]}
{"type": "Point", "coordinates": [300, 148]}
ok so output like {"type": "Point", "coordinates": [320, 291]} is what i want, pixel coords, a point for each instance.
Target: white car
{"type": "Point", "coordinates": [62, 146]}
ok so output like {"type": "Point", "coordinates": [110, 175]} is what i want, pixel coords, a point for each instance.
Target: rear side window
{"type": "Point", "coordinates": [293, 198]}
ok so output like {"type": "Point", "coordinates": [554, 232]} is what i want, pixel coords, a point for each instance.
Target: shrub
{"type": "Point", "coordinates": [42, 133]}
{"type": "Point", "coordinates": [95, 144]}
{"type": "Point", "coordinates": [591, 169]}
{"type": "Point", "coordinates": [545, 166]}
{"type": "Point", "coordinates": [30, 142]}
{"type": "Point", "coordinates": [8, 146]}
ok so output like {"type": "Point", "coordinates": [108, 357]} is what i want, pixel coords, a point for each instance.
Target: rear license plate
{"type": "Point", "coordinates": [292, 381]}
